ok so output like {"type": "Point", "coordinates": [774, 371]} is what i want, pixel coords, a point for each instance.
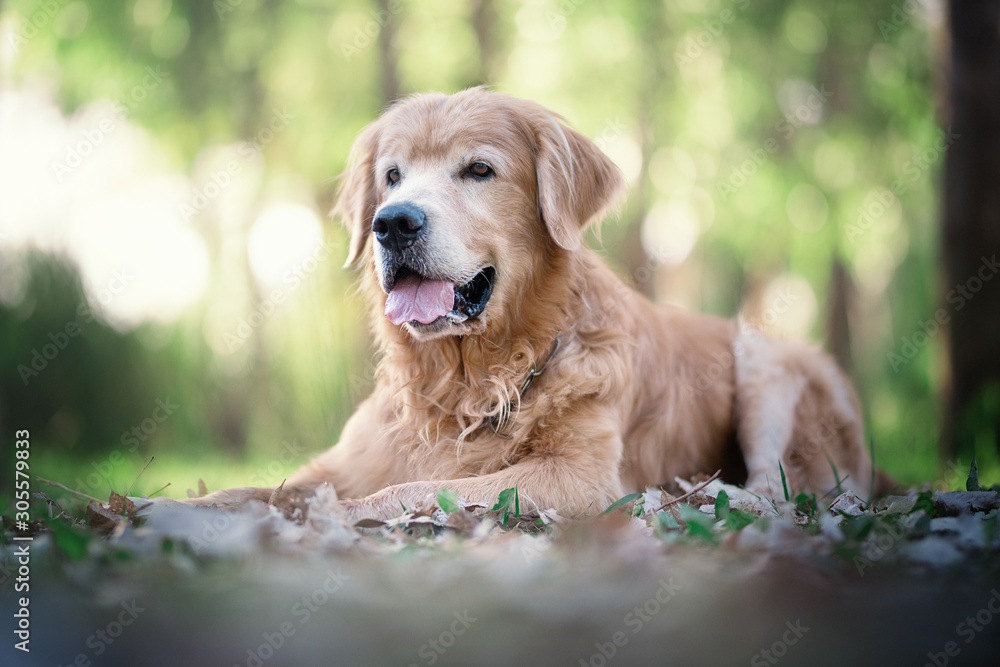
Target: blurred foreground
{"type": "Point", "coordinates": [167, 166]}
{"type": "Point", "coordinates": [914, 579]}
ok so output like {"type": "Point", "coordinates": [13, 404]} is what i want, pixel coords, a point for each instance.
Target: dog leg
{"type": "Point", "coordinates": [794, 406]}
{"type": "Point", "coordinates": [542, 483]}
{"type": "Point", "coordinates": [292, 501]}
{"type": "Point", "coordinates": [573, 469]}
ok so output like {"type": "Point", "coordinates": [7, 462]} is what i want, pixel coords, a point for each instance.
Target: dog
{"type": "Point", "coordinates": [512, 356]}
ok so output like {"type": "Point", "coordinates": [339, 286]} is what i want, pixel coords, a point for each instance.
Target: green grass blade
{"type": "Point", "coordinates": [784, 481]}
{"type": "Point", "coordinates": [836, 475]}
{"type": "Point", "coordinates": [621, 502]}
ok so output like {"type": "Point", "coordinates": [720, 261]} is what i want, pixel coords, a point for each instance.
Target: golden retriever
{"type": "Point", "coordinates": [511, 356]}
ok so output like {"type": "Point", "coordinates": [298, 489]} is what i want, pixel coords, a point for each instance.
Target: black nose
{"type": "Point", "coordinates": [398, 226]}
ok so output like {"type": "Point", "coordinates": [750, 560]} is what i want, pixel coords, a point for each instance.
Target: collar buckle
{"type": "Point", "coordinates": [494, 421]}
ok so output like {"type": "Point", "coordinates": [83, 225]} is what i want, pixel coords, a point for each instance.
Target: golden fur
{"type": "Point", "coordinates": [636, 394]}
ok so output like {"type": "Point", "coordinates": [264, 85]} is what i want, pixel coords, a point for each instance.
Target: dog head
{"type": "Point", "coordinates": [456, 203]}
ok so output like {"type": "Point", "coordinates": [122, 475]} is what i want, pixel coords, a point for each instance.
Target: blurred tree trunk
{"type": "Point", "coordinates": [838, 340]}
{"type": "Point", "coordinates": [838, 77]}
{"type": "Point", "coordinates": [484, 19]}
{"type": "Point", "coordinates": [972, 225]}
{"type": "Point", "coordinates": [653, 33]}
{"type": "Point", "coordinates": [387, 53]}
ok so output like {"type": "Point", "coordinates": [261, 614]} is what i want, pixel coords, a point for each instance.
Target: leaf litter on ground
{"type": "Point", "coordinates": [723, 537]}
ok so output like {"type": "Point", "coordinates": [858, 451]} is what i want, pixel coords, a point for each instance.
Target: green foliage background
{"type": "Point", "coordinates": [697, 87]}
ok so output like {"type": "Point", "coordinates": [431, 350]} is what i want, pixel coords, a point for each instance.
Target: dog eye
{"type": "Point", "coordinates": [392, 176]}
{"type": "Point", "coordinates": [480, 170]}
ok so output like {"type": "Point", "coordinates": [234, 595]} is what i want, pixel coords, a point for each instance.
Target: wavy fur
{"type": "Point", "coordinates": [637, 395]}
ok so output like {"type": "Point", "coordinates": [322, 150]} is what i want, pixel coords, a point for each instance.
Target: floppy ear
{"type": "Point", "coordinates": [356, 197]}
{"type": "Point", "coordinates": [576, 182]}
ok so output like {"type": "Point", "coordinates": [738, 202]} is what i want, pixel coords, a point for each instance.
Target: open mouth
{"type": "Point", "coordinates": [471, 298]}
{"type": "Point", "coordinates": [415, 299]}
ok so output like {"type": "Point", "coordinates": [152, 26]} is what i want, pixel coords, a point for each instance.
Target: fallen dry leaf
{"type": "Point", "coordinates": [462, 521]}
{"type": "Point", "coordinates": [101, 518]}
{"type": "Point", "coordinates": [121, 505]}
{"type": "Point", "coordinates": [106, 517]}
{"type": "Point", "coordinates": [847, 503]}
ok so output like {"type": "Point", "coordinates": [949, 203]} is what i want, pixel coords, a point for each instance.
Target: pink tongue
{"type": "Point", "coordinates": [419, 299]}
